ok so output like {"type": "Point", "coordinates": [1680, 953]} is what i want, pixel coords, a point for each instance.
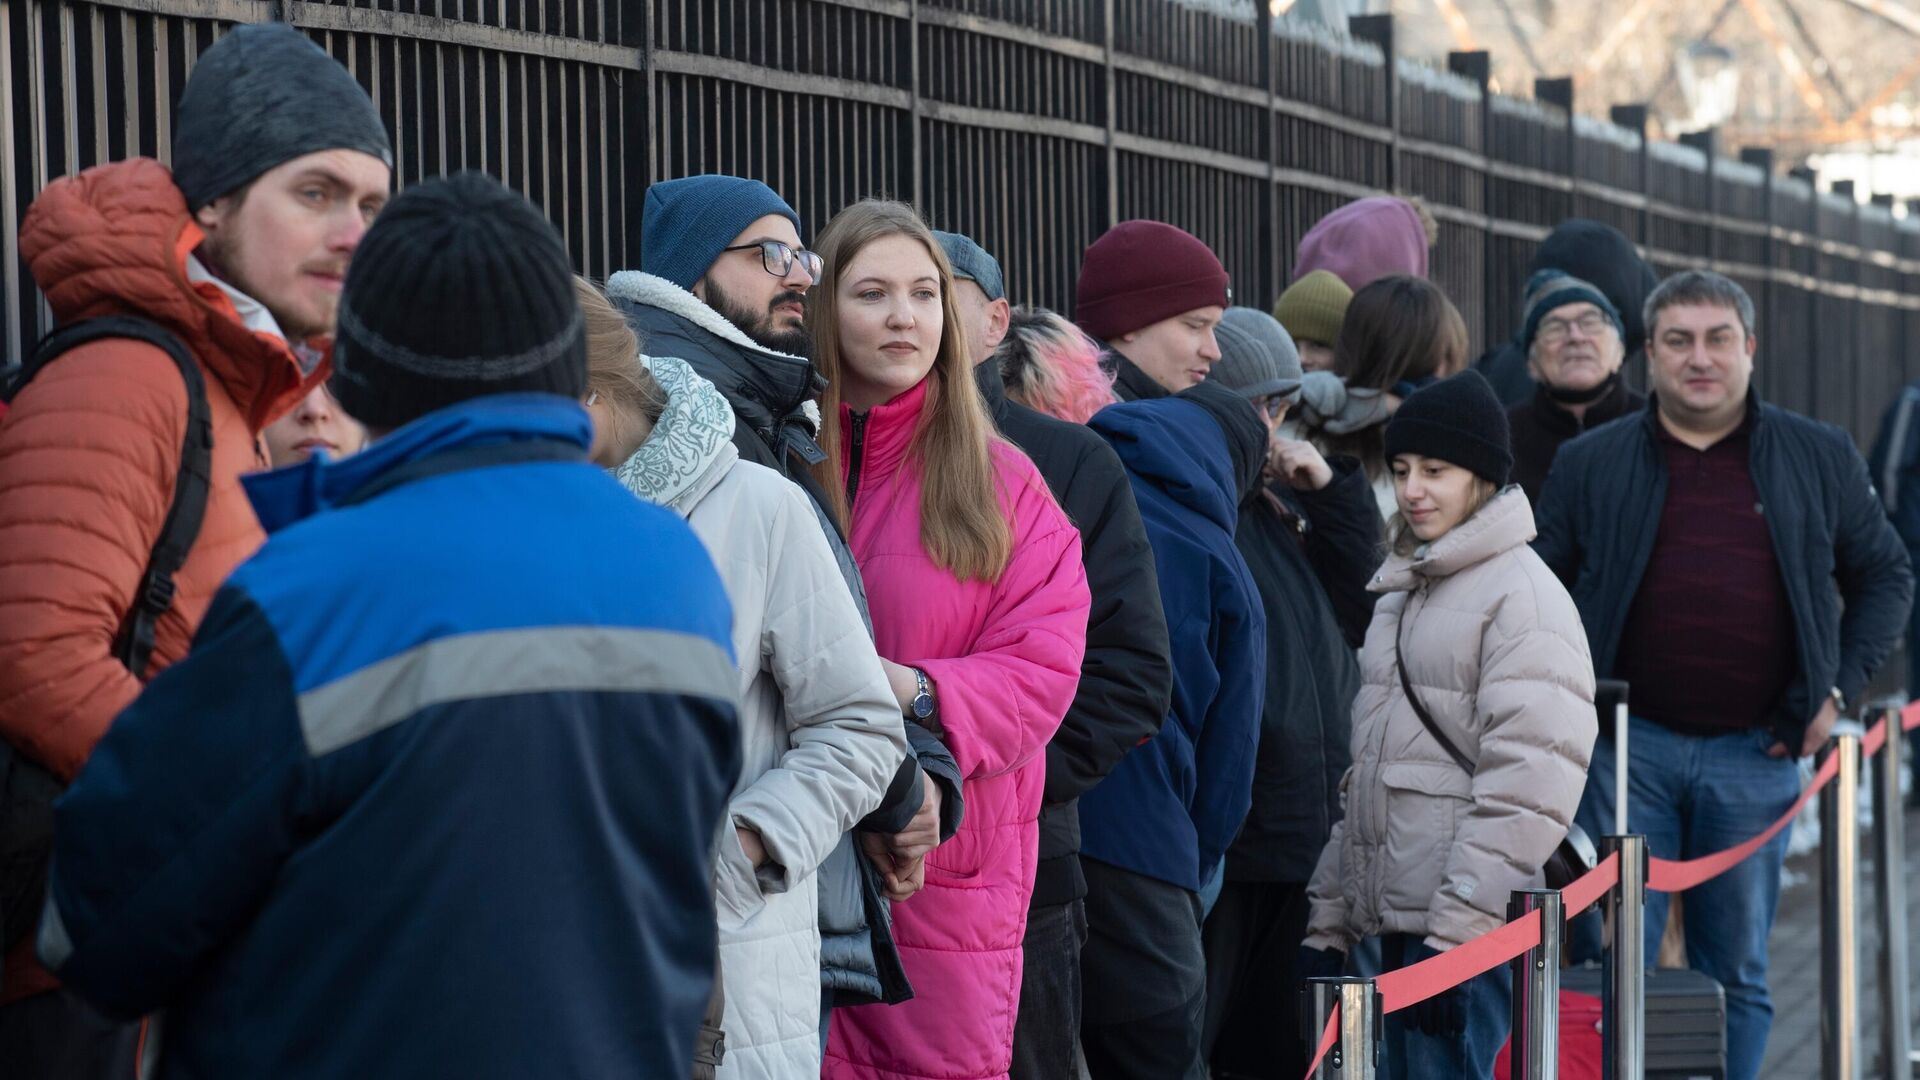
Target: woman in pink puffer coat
{"type": "Point", "coordinates": [979, 605]}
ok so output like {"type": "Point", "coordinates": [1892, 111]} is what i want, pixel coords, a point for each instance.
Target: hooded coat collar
{"type": "Point", "coordinates": [690, 449]}
{"type": "Point", "coordinates": [1176, 446]}
{"type": "Point", "coordinates": [765, 386]}
{"type": "Point", "coordinates": [288, 496]}
{"type": "Point", "coordinates": [116, 240]}
{"type": "Point", "coordinates": [1505, 523]}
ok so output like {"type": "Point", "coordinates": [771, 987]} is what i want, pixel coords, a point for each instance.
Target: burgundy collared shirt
{"type": "Point", "coordinates": [1709, 642]}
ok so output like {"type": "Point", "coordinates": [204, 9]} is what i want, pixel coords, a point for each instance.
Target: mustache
{"type": "Point", "coordinates": [788, 297]}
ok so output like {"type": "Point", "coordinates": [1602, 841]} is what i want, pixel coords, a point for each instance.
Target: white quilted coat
{"type": "Point", "coordinates": [821, 730]}
{"type": "Point", "coordinates": [1496, 652]}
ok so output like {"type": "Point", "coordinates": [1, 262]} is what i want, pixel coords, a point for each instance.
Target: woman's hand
{"type": "Point", "coordinates": [1298, 464]}
{"type": "Point", "coordinates": [752, 845]}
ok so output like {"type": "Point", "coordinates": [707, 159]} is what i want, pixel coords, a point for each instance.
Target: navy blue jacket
{"type": "Point", "coordinates": [1846, 572]}
{"type": "Point", "coordinates": [1171, 807]}
{"type": "Point", "coordinates": [436, 791]}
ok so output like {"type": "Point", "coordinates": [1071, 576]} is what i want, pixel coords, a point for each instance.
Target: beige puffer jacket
{"type": "Point", "coordinates": [1496, 652]}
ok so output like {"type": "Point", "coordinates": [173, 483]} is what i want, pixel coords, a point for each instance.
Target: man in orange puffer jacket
{"type": "Point", "coordinates": [280, 163]}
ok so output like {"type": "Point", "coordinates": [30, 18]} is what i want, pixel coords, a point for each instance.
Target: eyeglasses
{"type": "Point", "coordinates": [777, 258]}
{"type": "Point", "coordinates": [1555, 331]}
{"type": "Point", "coordinates": [1274, 405]}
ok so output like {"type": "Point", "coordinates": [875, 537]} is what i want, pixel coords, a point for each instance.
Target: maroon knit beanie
{"type": "Point", "coordinates": [1141, 272]}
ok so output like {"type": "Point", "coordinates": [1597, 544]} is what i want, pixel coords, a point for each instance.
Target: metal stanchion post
{"type": "Point", "coordinates": [1624, 970]}
{"type": "Point", "coordinates": [1839, 911]}
{"type": "Point", "coordinates": [1890, 899]}
{"type": "Point", "coordinates": [1536, 989]}
{"type": "Point", "coordinates": [1356, 1053]}
{"type": "Point", "coordinates": [1616, 690]}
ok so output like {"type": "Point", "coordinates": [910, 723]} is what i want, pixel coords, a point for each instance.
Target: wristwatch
{"type": "Point", "coordinates": [922, 704]}
{"type": "Point", "coordinates": [1839, 699]}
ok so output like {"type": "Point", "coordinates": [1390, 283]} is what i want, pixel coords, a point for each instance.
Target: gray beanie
{"type": "Point", "coordinates": [1257, 355]}
{"type": "Point", "coordinates": [262, 96]}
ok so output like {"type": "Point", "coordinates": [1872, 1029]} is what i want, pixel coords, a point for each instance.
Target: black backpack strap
{"type": "Point", "coordinates": [182, 525]}
{"type": "Point", "coordinates": [1420, 709]}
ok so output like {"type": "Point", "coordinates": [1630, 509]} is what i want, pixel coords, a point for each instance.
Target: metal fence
{"type": "Point", "coordinates": [1030, 124]}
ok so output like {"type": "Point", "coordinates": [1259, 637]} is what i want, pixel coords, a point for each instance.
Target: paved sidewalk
{"type": "Point", "coordinates": [1793, 1053]}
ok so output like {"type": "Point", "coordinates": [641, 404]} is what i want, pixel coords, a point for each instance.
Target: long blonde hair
{"type": "Point", "coordinates": [962, 526]}
{"type": "Point", "coordinates": [614, 370]}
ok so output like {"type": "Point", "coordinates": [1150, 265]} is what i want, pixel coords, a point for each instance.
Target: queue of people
{"type": "Point", "coordinates": [793, 659]}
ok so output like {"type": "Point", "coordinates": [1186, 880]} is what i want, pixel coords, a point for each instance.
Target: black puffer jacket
{"type": "Point", "coordinates": [1126, 680]}
{"type": "Point", "coordinates": [1312, 554]}
{"type": "Point", "coordinates": [1845, 569]}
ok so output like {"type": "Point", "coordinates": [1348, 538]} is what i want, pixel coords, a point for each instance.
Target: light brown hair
{"type": "Point", "coordinates": [614, 370]}
{"type": "Point", "coordinates": [962, 526]}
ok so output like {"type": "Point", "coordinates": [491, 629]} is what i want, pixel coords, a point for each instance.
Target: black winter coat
{"type": "Point", "coordinates": [1126, 681]}
{"type": "Point", "coordinates": [1542, 425]}
{"type": "Point", "coordinates": [1845, 569]}
{"type": "Point", "coordinates": [1312, 554]}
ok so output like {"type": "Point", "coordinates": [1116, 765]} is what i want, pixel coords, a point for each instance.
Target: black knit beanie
{"type": "Point", "coordinates": [460, 289]}
{"type": "Point", "coordinates": [1458, 420]}
{"type": "Point", "coordinates": [263, 95]}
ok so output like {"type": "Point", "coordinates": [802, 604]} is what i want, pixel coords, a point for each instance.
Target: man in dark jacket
{"type": "Point", "coordinates": [1156, 829]}
{"type": "Point", "coordinates": [1126, 681]}
{"type": "Point", "coordinates": [436, 790]}
{"type": "Point", "coordinates": [723, 285]}
{"type": "Point", "coordinates": [1575, 341]}
{"type": "Point", "coordinates": [1731, 562]}
{"type": "Point", "coordinates": [1152, 294]}
{"type": "Point", "coordinates": [1311, 536]}
{"type": "Point", "coordinates": [1593, 252]}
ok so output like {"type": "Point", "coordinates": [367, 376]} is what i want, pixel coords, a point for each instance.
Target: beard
{"type": "Point", "coordinates": [759, 325]}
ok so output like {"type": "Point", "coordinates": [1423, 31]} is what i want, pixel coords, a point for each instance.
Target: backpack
{"type": "Point", "coordinates": [27, 790]}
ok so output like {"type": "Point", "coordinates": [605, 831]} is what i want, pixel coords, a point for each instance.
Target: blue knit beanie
{"type": "Point", "coordinates": [1549, 289]}
{"type": "Point", "coordinates": [689, 221]}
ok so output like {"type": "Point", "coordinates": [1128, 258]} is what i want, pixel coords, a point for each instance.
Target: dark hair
{"type": "Point", "coordinates": [1398, 329]}
{"type": "Point", "coordinates": [1700, 288]}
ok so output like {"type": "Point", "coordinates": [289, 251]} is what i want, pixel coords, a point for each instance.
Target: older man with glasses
{"type": "Point", "coordinates": [1575, 343]}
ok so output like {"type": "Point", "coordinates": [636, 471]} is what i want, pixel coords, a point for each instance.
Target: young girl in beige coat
{"type": "Point", "coordinates": [1473, 628]}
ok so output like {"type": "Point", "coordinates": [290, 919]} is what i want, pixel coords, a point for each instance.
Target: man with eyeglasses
{"type": "Point", "coordinates": [722, 284]}
{"type": "Point", "coordinates": [1575, 342]}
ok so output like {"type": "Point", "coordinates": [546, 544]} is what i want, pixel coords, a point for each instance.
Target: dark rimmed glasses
{"type": "Point", "coordinates": [777, 258]}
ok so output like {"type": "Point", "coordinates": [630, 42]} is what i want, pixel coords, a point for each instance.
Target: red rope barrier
{"type": "Point", "coordinates": [1418, 982]}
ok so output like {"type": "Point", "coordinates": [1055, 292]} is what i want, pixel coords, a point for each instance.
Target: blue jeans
{"type": "Point", "coordinates": [1693, 796]}
{"type": "Point", "coordinates": [1411, 1054]}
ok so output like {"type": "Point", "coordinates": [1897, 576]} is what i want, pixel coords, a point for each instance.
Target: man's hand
{"type": "Point", "coordinates": [1817, 732]}
{"type": "Point", "coordinates": [751, 843]}
{"type": "Point", "coordinates": [900, 878]}
{"type": "Point", "coordinates": [922, 834]}
{"type": "Point", "coordinates": [1299, 464]}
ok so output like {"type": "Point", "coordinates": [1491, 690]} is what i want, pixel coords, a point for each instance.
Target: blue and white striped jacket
{"type": "Point", "coordinates": [435, 792]}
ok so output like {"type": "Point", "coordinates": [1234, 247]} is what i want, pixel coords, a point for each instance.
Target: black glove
{"type": "Point", "coordinates": [1320, 963]}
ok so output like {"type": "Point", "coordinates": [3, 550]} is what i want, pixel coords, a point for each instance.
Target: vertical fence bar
{"type": "Point", "coordinates": [1356, 1053]}
{"type": "Point", "coordinates": [1890, 901]}
{"type": "Point", "coordinates": [1840, 913]}
{"type": "Point", "coordinates": [1624, 971]}
{"type": "Point", "coordinates": [1535, 1053]}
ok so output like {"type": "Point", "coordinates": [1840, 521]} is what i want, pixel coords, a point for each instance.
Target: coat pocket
{"type": "Point", "coordinates": [1425, 802]}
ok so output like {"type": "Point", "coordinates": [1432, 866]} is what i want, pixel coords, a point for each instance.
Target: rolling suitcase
{"type": "Point", "coordinates": [1686, 1021]}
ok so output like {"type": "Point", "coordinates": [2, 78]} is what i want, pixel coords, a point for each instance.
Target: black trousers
{"type": "Point", "coordinates": [1253, 1000]}
{"type": "Point", "coordinates": [1145, 978]}
{"type": "Point", "coordinates": [1046, 1035]}
{"type": "Point", "coordinates": [56, 1036]}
